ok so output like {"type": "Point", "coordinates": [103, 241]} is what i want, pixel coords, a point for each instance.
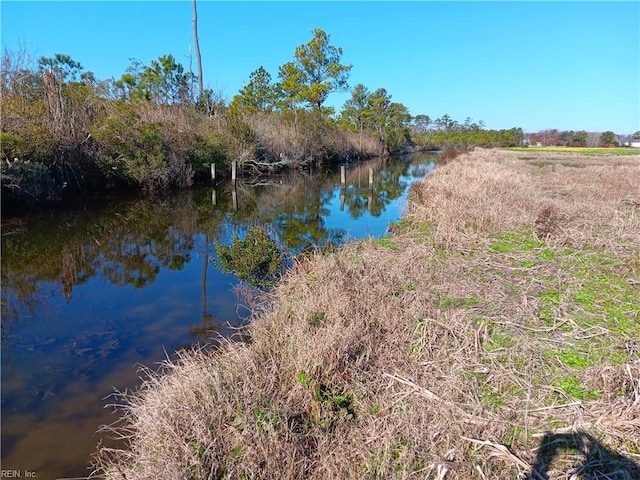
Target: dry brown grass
{"type": "Point", "coordinates": [489, 191]}
{"type": "Point", "coordinates": [286, 143]}
{"type": "Point", "coordinates": [465, 346]}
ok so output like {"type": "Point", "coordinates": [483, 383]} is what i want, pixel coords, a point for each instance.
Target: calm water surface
{"type": "Point", "coordinates": [91, 295]}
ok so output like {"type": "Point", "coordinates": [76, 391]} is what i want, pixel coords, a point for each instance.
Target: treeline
{"type": "Point", "coordinates": [581, 138]}
{"type": "Point", "coordinates": [64, 131]}
{"type": "Point", "coordinates": [447, 133]}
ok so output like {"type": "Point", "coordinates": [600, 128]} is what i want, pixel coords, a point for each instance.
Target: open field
{"type": "Point", "coordinates": [494, 335]}
{"type": "Point", "coordinates": [580, 150]}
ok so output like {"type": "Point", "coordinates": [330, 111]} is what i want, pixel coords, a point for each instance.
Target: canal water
{"type": "Point", "coordinates": [92, 293]}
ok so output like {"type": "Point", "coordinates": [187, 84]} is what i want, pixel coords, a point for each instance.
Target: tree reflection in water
{"type": "Point", "coordinates": [129, 243]}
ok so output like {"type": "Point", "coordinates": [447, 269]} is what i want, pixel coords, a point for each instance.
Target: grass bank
{"type": "Point", "coordinates": [494, 335]}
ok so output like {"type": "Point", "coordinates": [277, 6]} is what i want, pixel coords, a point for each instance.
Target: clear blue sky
{"type": "Point", "coordinates": [535, 65]}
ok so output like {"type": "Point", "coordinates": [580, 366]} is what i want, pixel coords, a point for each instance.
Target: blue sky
{"type": "Point", "coordinates": [535, 65]}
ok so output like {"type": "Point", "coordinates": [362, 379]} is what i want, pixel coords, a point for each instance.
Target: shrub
{"type": "Point", "coordinates": [131, 147]}
{"type": "Point", "coordinates": [28, 143]}
{"type": "Point", "coordinates": [256, 259]}
{"type": "Point", "coordinates": [26, 182]}
{"type": "Point", "coordinates": [209, 148]}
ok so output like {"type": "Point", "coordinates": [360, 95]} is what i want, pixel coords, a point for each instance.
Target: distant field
{"type": "Point", "coordinates": [582, 150]}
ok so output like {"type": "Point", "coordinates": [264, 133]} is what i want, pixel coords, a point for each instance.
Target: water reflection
{"type": "Point", "coordinates": [90, 293]}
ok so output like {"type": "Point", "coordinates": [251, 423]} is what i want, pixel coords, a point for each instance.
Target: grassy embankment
{"type": "Point", "coordinates": [495, 334]}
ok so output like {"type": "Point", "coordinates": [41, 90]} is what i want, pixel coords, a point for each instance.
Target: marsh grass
{"type": "Point", "coordinates": [494, 335]}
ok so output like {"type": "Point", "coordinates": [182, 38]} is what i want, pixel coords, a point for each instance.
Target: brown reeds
{"type": "Point", "coordinates": [286, 144]}
{"type": "Point", "coordinates": [493, 336]}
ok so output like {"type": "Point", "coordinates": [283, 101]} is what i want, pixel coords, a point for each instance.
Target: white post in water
{"type": "Point", "coordinates": [343, 176]}
{"type": "Point", "coordinates": [213, 173]}
{"type": "Point", "coordinates": [234, 169]}
{"type": "Point", "coordinates": [370, 178]}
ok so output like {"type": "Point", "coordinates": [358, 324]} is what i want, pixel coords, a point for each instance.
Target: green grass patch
{"type": "Point", "coordinates": [386, 242]}
{"type": "Point", "coordinates": [547, 254]}
{"type": "Point", "coordinates": [595, 351]}
{"type": "Point", "coordinates": [604, 295]}
{"type": "Point", "coordinates": [515, 242]}
{"type": "Point", "coordinates": [572, 386]}
{"type": "Point", "coordinates": [459, 302]}
{"type": "Point", "coordinates": [400, 225]}
{"type": "Point", "coordinates": [427, 227]}
{"type": "Point", "coordinates": [528, 264]}
{"type": "Point", "coordinates": [611, 352]}
{"type": "Point", "coordinates": [586, 287]}
{"type": "Point", "coordinates": [570, 357]}
{"type": "Point", "coordinates": [499, 341]}
{"type": "Point", "coordinates": [490, 398]}
{"type": "Point", "coordinates": [302, 379]}
{"type": "Point", "coordinates": [549, 305]}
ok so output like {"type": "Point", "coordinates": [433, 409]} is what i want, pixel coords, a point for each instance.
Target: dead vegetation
{"type": "Point", "coordinates": [494, 336]}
